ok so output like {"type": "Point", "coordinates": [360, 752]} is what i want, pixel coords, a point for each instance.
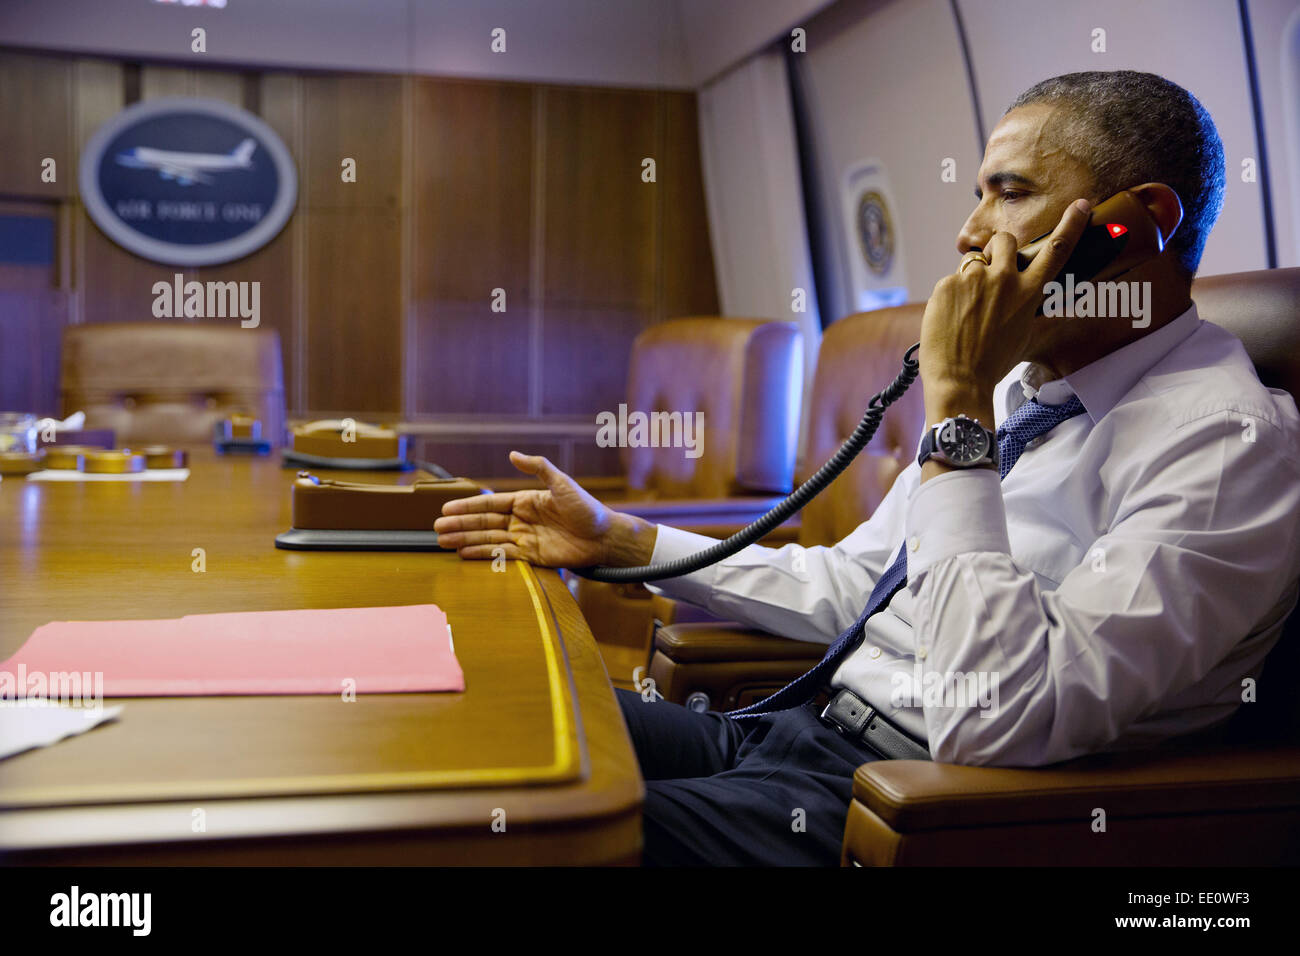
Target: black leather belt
{"type": "Point", "coordinates": [863, 724]}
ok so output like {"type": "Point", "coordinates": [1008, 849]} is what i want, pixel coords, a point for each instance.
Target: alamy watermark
{"type": "Point", "coordinates": [80, 689]}
{"type": "Point", "coordinates": [74, 908]}
{"type": "Point", "coordinates": [208, 300]}
{"type": "Point", "coordinates": [1100, 300]}
{"type": "Point", "coordinates": [967, 690]}
{"type": "Point", "coordinates": [636, 429]}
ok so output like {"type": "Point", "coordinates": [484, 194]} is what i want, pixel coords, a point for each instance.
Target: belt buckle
{"type": "Point", "coordinates": [859, 712]}
{"type": "Point", "coordinates": [893, 746]}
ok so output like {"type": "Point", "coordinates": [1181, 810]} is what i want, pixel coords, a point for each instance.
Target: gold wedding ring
{"type": "Point", "coordinates": [973, 256]}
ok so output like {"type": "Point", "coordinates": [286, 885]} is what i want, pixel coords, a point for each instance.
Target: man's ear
{"type": "Point", "coordinates": [1164, 206]}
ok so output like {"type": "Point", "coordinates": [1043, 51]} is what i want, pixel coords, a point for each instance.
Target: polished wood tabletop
{"type": "Point", "coordinates": [531, 764]}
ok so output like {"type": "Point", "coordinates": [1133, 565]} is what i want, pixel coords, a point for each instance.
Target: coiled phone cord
{"type": "Point", "coordinates": [796, 500]}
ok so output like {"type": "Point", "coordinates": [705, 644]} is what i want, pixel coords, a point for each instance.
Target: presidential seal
{"type": "Point", "coordinates": [875, 232]}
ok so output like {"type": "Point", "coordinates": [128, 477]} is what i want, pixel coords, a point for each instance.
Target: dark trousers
{"type": "Point", "coordinates": [722, 792]}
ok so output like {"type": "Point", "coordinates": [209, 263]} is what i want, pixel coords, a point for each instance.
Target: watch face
{"type": "Point", "coordinates": [962, 441]}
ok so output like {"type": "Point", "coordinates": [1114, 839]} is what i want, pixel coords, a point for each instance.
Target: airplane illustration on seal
{"type": "Point", "coordinates": [189, 168]}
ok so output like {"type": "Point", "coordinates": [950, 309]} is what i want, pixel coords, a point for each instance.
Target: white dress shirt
{"type": "Point", "coordinates": [1116, 589]}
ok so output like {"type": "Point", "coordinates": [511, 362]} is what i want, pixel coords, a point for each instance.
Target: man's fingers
{"type": "Point", "coordinates": [538, 465]}
{"type": "Point", "coordinates": [1059, 245]}
{"type": "Point", "coordinates": [531, 464]}
{"type": "Point", "coordinates": [471, 522]}
{"type": "Point", "coordinates": [501, 502]}
{"type": "Point", "coordinates": [482, 552]}
{"type": "Point", "coordinates": [462, 539]}
{"type": "Point", "coordinates": [1001, 251]}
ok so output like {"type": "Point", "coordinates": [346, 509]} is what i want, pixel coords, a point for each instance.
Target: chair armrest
{"type": "Point", "coordinates": [728, 641]}
{"type": "Point", "coordinates": [724, 664]}
{"type": "Point", "coordinates": [912, 796]}
{"type": "Point", "coordinates": [668, 611]}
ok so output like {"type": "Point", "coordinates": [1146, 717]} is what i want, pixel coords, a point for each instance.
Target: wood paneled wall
{"type": "Point", "coordinates": [382, 289]}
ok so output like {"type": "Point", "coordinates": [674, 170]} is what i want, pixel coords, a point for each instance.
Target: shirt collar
{"type": "Point", "coordinates": [1101, 384]}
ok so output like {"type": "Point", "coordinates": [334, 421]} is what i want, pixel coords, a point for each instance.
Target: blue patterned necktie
{"type": "Point", "coordinates": [1024, 425]}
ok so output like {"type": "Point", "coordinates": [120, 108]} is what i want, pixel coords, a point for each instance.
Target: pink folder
{"type": "Point", "coordinates": [379, 649]}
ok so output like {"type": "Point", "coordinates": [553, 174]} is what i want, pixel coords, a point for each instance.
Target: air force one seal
{"type": "Point", "coordinates": [188, 182]}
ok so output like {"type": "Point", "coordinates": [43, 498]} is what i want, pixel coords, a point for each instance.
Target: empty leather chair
{"type": "Point", "coordinates": [745, 376]}
{"type": "Point", "coordinates": [171, 381]}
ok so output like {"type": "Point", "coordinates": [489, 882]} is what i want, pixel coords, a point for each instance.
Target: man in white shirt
{"type": "Point", "coordinates": [1106, 580]}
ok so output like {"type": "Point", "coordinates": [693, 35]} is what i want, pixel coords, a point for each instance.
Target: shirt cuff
{"type": "Point", "coordinates": [955, 513]}
{"type": "Point", "coordinates": [674, 543]}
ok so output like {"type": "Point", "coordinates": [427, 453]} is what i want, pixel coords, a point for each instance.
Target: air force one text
{"type": "Point", "coordinates": [189, 168]}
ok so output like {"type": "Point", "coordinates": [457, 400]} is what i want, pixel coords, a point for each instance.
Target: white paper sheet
{"type": "Point", "coordinates": [150, 474]}
{"type": "Point", "coordinates": [24, 726]}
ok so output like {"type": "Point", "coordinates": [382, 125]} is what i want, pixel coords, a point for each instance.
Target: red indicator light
{"type": "Point", "coordinates": [1115, 229]}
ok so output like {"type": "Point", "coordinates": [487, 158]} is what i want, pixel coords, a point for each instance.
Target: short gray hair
{"type": "Point", "coordinates": [1131, 128]}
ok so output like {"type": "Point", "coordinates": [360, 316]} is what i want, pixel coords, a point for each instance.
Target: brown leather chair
{"type": "Point", "coordinates": [745, 376]}
{"type": "Point", "coordinates": [171, 381]}
{"type": "Point", "coordinates": [1228, 797]}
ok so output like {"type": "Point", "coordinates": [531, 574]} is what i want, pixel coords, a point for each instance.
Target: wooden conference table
{"type": "Point", "coordinates": [535, 743]}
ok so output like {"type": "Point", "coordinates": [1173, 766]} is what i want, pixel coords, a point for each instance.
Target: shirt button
{"type": "Point", "coordinates": [874, 653]}
{"type": "Point", "coordinates": [921, 653]}
{"type": "Point", "coordinates": [913, 543]}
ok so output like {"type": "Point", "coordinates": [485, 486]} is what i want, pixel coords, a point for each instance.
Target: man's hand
{"type": "Point", "coordinates": [980, 322]}
{"type": "Point", "coordinates": [561, 527]}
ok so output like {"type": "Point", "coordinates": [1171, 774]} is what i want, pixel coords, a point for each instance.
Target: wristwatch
{"type": "Point", "coordinates": [960, 442]}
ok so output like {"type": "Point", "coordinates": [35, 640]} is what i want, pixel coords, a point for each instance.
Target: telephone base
{"type": "Point", "coordinates": [317, 539]}
{"type": "Point", "coordinates": [299, 459]}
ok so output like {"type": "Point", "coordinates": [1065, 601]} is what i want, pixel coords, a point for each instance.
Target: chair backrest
{"type": "Point", "coordinates": [860, 355]}
{"type": "Point", "coordinates": [171, 381]}
{"type": "Point", "coordinates": [745, 376]}
{"type": "Point", "coordinates": [1263, 310]}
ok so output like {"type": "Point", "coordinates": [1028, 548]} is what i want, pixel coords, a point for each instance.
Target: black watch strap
{"type": "Point", "coordinates": [929, 444]}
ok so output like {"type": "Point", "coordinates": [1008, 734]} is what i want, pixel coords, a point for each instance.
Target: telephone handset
{"type": "Point", "coordinates": [1120, 235]}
